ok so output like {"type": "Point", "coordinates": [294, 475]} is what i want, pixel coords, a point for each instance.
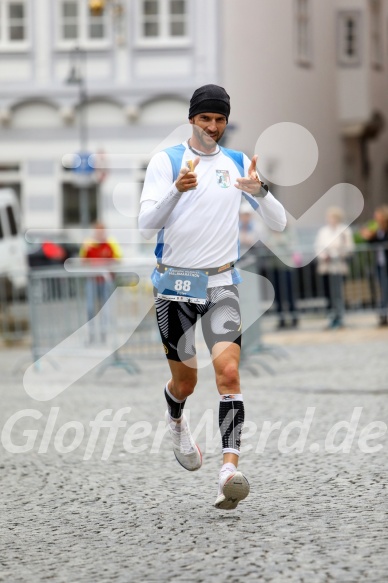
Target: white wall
{"type": "Point", "coordinates": [267, 87]}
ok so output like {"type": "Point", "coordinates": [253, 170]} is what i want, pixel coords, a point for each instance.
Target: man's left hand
{"type": "Point", "coordinates": [252, 184]}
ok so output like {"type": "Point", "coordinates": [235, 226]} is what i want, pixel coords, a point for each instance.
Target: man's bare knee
{"type": "Point", "coordinates": [183, 387]}
{"type": "Point", "coordinates": [228, 379]}
{"type": "Point", "coordinates": [186, 388]}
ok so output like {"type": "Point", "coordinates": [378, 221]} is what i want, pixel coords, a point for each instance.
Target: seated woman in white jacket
{"type": "Point", "coordinates": [333, 245]}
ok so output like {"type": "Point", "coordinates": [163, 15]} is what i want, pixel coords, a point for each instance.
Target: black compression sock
{"type": "Point", "coordinates": [231, 421]}
{"type": "Point", "coordinates": [175, 407]}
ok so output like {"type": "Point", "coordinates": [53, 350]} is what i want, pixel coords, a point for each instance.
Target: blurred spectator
{"type": "Point", "coordinates": [281, 272]}
{"type": "Point", "coordinates": [278, 266]}
{"type": "Point", "coordinates": [99, 252]}
{"type": "Point", "coordinates": [379, 237]}
{"type": "Point", "coordinates": [336, 240]}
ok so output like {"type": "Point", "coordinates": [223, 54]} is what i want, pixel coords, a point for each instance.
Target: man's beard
{"type": "Point", "coordinates": [206, 141]}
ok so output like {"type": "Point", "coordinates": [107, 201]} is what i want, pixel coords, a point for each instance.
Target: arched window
{"type": "Point", "coordinates": [104, 113]}
{"type": "Point", "coordinates": [164, 111]}
{"type": "Point", "coordinates": [36, 114]}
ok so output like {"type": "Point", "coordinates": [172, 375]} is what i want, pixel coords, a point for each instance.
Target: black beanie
{"type": "Point", "coordinates": [210, 99]}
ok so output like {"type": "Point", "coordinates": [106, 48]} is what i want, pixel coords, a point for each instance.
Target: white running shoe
{"type": "Point", "coordinates": [233, 487]}
{"type": "Point", "coordinates": [185, 449]}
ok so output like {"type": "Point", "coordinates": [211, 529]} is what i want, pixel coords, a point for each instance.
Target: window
{"type": "Point", "coordinates": [72, 204]}
{"type": "Point", "coordinates": [303, 32]}
{"type": "Point", "coordinates": [376, 32]}
{"type": "Point", "coordinates": [13, 24]}
{"type": "Point", "coordinates": [70, 20]}
{"type": "Point", "coordinates": [12, 221]}
{"type": "Point", "coordinates": [10, 177]}
{"type": "Point", "coordinates": [15, 186]}
{"type": "Point", "coordinates": [80, 25]}
{"type": "Point", "coordinates": [349, 38]}
{"type": "Point", "coordinates": [163, 20]}
{"type": "Point", "coordinates": [9, 167]}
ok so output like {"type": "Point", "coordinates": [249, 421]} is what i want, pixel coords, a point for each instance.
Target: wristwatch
{"type": "Point", "coordinates": [263, 191]}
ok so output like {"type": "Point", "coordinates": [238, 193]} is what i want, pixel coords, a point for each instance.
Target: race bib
{"type": "Point", "coordinates": [183, 285]}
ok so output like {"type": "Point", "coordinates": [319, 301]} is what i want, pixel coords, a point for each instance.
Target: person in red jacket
{"type": "Point", "coordinates": [99, 252]}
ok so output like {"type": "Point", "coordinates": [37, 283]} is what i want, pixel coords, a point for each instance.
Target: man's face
{"type": "Point", "coordinates": [208, 128]}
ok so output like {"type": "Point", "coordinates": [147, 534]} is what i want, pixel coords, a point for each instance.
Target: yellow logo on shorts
{"type": "Point", "coordinates": [165, 349]}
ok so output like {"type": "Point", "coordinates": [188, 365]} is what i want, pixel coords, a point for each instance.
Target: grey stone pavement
{"type": "Point", "coordinates": [311, 516]}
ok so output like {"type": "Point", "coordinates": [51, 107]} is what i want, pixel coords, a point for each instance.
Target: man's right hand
{"type": "Point", "coordinates": [187, 180]}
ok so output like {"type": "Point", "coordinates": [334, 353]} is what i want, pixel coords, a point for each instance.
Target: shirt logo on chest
{"type": "Point", "coordinates": [223, 178]}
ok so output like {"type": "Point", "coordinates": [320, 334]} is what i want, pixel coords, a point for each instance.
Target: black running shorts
{"type": "Point", "coordinates": [220, 318]}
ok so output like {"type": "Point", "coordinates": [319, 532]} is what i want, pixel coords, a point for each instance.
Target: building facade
{"type": "Point", "coordinates": [113, 78]}
{"type": "Point", "coordinates": [362, 29]}
{"type": "Point", "coordinates": [106, 77]}
{"type": "Point", "coordinates": [323, 65]}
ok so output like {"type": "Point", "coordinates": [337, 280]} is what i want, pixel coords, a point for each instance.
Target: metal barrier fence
{"type": "Point", "coordinates": [75, 311]}
{"type": "Point", "coordinates": [80, 309]}
{"type": "Point", "coordinates": [14, 314]}
{"type": "Point", "coordinates": [303, 290]}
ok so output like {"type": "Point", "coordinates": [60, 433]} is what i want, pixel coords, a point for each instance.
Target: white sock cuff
{"type": "Point", "coordinates": [229, 467]}
{"type": "Point", "coordinates": [230, 450]}
{"type": "Point", "coordinates": [172, 396]}
{"type": "Point", "coordinates": [232, 397]}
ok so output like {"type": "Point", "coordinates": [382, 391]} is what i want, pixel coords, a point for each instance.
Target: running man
{"type": "Point", "coordinates": [191, 198]}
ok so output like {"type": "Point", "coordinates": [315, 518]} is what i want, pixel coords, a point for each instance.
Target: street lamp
{"type": "Point", "coordinates": [83, 170]}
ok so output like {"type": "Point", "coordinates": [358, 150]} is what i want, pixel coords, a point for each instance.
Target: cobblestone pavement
{"type": "Point", "coordinates": [311, 517]}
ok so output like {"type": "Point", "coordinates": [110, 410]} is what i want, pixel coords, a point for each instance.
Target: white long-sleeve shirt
{"type": "Point", "coordinates": [333, 245]}
{"type": "Point", "coordinates": [200, 228]}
